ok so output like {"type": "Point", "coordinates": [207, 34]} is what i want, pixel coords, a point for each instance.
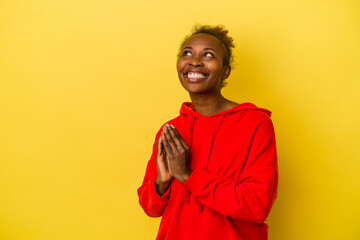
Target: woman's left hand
{"type": "Point", "coordinates": [177, 153]}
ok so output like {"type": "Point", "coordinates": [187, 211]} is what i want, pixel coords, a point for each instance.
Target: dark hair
{"type": "Point", "coordinates": [218, 31]}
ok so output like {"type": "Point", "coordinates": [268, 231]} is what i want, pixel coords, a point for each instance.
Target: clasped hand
{"type": "Point", "coordinates": [172, 157]}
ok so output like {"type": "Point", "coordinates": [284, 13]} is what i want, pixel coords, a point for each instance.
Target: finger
{"type": "Point", "coordinates": [166, 145]}
{"type": "Point", "coordinates": [169, 138]}
{"type": "Point", "coordinates": [176, 137]}
{"type": "Point", "coordinates": [163, 151]}
{"type": "Point", "coordinates": [168, 166]}
{"type": "Point", "coordinates": [176, 132]}
{"type": "Point", "coordinates": [164, 139]}
{"type": "Point", "coordinates": [184, 144]}
{"type": "Point", "coordinates": [181, 140]}
{"type": "Point", "coordinates": [160, 145]}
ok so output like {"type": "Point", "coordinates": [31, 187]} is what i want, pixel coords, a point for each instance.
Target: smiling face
{"type": "Point", "coordinates": [200, 65]}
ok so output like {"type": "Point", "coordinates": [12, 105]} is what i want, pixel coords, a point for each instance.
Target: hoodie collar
{"type": "Point", "coordinates": [186, 109]}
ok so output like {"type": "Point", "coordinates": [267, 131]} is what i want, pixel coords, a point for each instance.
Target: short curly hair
{"type": "Point", "coordinates": [218, 31]}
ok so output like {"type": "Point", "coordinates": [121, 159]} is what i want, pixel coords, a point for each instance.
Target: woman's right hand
{"type": "Point", "coordinates": [164, 176]}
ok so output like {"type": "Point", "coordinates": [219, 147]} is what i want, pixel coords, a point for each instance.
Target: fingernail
{"type": "Point", "coordinates": [167, 125]}
{"type": "Point", "coordinates": [172, 126]}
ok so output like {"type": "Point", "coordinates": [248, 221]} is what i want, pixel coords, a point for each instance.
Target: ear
{"type": "Point", "coordinates": [227, 71]}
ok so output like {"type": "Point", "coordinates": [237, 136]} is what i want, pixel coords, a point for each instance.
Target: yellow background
{"type": "Point", "coordinates": [85, 85]}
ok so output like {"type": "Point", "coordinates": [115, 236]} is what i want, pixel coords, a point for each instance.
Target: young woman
{"type": "Point", "coordinates": [213, 171]}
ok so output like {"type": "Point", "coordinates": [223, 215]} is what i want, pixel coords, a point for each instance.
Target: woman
{"type": "Point", "coordinates": [213, 170]}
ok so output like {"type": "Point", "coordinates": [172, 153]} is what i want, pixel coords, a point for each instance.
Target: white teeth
{"type": "Point", "coordinates": [195, 75]}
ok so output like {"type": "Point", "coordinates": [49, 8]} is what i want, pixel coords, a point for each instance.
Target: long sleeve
{"type": "Point", "coordinates": [252, 196]}
{"type": "Point", "coordinates": [152, 203]}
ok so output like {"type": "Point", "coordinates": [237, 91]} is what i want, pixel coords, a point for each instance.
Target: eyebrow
{"type": "Point", "coordinates": [203, 49]}
{"type": "Point", "coordinates": [209, 49]}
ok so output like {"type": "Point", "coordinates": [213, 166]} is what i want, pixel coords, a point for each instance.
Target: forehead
{"type": "Point", "coordinates": [204, 40]}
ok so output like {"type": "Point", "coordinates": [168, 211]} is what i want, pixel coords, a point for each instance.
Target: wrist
{"type": "Point", "coordinates": [161, 186]}
{"type": "Point", "coordinates": [185, 176]}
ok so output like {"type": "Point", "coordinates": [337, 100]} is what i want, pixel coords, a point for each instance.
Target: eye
{"type": "Point", "coordinates": [209, 54]}
{"type": "Point", "coordinates": [186, 53]}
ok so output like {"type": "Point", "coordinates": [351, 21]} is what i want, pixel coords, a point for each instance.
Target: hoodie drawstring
{"type": "Point", "coordinates": [186, 195]}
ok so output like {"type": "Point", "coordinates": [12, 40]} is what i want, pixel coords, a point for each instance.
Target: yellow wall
{"type": "Point", "coordinates": [85, 85]}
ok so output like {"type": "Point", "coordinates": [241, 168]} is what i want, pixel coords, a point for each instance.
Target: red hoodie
{"type": "Point", "coordinates": [234, 181]}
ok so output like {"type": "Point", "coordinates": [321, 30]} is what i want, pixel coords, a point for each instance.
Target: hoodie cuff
{"type": "Point", "coordinates": [155, 195]}
{"type": "Point", "coordinates": [193, 183]}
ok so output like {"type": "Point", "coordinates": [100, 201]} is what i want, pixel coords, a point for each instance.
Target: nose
{"type": "Point", "coordinates": [196, 62]}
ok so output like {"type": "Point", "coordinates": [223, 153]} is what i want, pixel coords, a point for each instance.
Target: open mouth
{"type": "Point", "coordinates": [195, 76]}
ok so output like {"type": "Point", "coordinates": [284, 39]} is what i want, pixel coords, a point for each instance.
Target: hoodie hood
{"type": "Point", "coordinates": [189, 116]}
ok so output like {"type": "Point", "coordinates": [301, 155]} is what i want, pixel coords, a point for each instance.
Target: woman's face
{"type": "Point", "coordinates": [200, 65]}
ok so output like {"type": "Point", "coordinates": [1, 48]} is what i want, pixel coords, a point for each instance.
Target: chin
{"type": "Point", "coordinates": [192, 88]}
{"type": "Point", "coordinates": [196, 90]}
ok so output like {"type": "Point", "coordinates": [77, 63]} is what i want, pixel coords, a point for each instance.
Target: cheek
{"type": "Point", "coordinates": [178, 66]}
{"type": "Point", "coordinates": [216, 68]}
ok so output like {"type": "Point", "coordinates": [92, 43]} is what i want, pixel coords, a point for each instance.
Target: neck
{"type": "Point", "coordinates": [207, 105]}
